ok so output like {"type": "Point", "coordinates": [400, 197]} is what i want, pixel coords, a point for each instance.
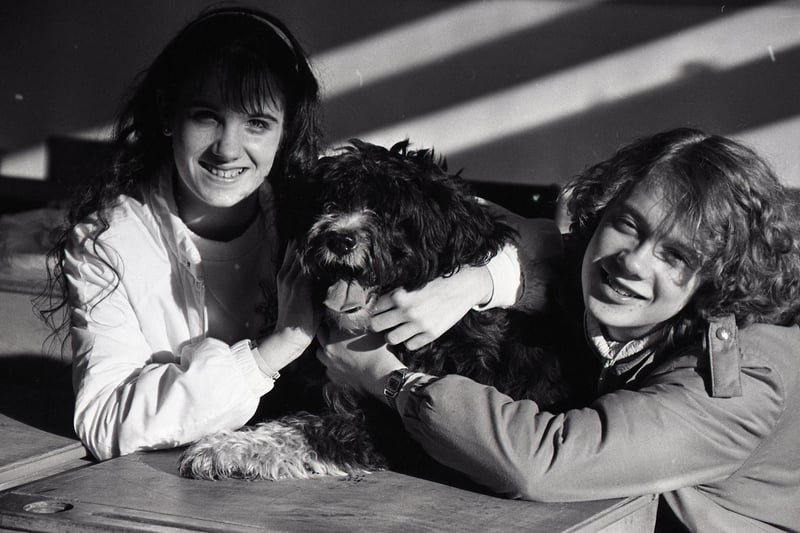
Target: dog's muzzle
{"type": "Point", "coordinates": [349, 304]}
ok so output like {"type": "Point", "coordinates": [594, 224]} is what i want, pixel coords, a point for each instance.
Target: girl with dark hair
{"type": "Point", "coordinates": [170, 261]}
{"type": "Point", "coordinates": [169, 254]}
{"type": "Point", "coordinates": [681, 288]}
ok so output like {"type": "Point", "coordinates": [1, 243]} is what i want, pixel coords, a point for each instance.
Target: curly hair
{"type": "Point", "coordinates": [254, 59]}
{"type": "Point", "coordinates": [732, 209]}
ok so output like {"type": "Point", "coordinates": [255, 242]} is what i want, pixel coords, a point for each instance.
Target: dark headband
{"type": "Point", "coordinates": [258, 18]}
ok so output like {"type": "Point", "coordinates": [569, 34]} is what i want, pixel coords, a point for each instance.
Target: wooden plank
{"type": "Point", "coordinates": [36, 435]}
{"type": "Point", "coordinates": [19, 442]}
{"type": "Point", "coordinates": [28, 453]}
{"type": "Point", "coordinates": [143, 492]}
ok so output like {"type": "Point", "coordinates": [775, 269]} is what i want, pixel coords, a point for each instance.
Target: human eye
{"type": "Point", "coordinates": [202, 115]}
{"type": "Point", "coordinates": [680, 258]}
{"type": "Point", "coordinates": [624, 223]}
{"type": "Point", "coordinates": [675, 257]}
{"type": "Point", "coordinates": [259, 124]}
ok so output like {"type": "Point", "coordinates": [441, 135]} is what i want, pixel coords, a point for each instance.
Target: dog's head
{"type": "Point", "coordinates": [391, 218]}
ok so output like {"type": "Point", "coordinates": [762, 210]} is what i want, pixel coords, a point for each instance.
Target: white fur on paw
{"type": "Point", "coordinates": [271, 450]}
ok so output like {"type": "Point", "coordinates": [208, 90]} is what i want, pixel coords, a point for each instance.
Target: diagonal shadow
{"type": "Point", "coordinates": [760, 92]}
{"type": "Point", "coordinates": [37, 391]}
{"type": "Point", "coordinates": [573, 39]}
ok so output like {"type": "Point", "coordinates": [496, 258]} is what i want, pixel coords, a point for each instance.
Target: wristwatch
{"type": "Point", "coordinates": [393, 384]}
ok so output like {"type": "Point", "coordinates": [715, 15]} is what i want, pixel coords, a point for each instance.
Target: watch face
{"type": "Point", "coordinates": [394, 382]}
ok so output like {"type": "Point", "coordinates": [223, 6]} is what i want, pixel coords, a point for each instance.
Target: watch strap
{"type": "Point", "coordinates": [394, 384]}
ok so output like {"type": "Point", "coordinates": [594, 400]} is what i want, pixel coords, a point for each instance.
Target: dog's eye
{"type": "Point", "coordinates": [330, 207]}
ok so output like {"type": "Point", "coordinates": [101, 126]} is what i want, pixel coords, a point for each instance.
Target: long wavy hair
{"type": "Point", "coordinates": [733, 210]}
{"type": "Point", "coordinates": [255, 59]}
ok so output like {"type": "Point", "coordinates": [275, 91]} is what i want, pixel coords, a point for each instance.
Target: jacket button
{"type": "Point", "coordinates": [723, 334]}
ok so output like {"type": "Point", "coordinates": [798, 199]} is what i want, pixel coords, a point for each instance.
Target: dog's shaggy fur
{"type": "Point", "coordinates": [388, 219]}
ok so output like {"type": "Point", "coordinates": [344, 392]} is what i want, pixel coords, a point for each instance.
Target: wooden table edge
{"type": "Point", "coordinates": [39, 466]}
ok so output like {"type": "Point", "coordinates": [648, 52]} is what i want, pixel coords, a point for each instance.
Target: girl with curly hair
{"type": "Point", "coordinates": [680, 289]}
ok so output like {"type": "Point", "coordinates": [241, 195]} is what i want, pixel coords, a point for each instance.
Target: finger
{"type": "Point", "coordinates": [384, 303]}
{"type": "Point", "coordinates": [387, 320]}
{"type": "Point", "coordinates": [402, 333]}
{"type": "Point", "coordinates": [418, 341]}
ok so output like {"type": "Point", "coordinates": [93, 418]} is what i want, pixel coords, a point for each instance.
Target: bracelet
{"type": "Point", "coordinates": [262, 365]}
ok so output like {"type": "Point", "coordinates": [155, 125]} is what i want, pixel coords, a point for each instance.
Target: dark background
{"type": "Point", "coordinates": [524, 91]}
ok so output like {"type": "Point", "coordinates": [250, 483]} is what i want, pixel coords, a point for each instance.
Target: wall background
{"type": "Point", "coordinates": [516, 91]}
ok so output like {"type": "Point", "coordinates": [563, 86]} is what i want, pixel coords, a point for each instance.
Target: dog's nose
{"type": "Point", "coordinates": [341, 243]}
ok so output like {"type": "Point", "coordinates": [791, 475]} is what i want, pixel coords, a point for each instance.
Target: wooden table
{"type": "Point", "coordinates": [28, 453]}
{"type": "Point", "coordinates": [36, 404]}
{"type": "Point", "coordinates": [143, 492]}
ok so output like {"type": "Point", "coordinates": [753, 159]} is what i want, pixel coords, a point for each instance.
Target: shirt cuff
{"type": "Point", "coordinates": [248, 362]}
{"type": "Point", "coordinates": [506, 273]}
{"type": "Point", "coordinates": [414, 381]}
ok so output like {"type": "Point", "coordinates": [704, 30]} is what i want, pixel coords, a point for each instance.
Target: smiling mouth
{"type": "Point", "coordinates": [222, 173]}
{"type": "Point", "coordinates": [619, 289]}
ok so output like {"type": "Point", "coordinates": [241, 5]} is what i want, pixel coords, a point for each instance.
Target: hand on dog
{"type": "Point", "coordinates": [419, 317]}
{"type": "Point", "coordinates": [360, 360]}
{"type": "Point", "coordinates": [298, 317]}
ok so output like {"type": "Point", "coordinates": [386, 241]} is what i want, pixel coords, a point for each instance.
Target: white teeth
{"type": "Point", "coordinates": [622, 291]}
{"type": "Point", "coordinates": [227, 174]}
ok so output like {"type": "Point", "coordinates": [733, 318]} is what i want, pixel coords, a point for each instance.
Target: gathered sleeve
{"type": "Point", "coordinates": [134, 392]}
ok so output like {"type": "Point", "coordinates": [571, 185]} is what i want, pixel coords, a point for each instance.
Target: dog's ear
{"type": "Point", "coordinates": [452, 227]}
{"type": "Point", "coordinates": [474, 233]}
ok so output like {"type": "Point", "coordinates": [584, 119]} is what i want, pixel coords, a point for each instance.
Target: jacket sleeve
{"type": "Point", "coordinates": [129, 398]}
{"type": "Point", "coordinates": [666, 435]}
{"type": "Point", "coordinates": [537, 255]}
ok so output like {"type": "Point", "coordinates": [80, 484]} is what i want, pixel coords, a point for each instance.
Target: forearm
{"type": "Point", "coordinates": [124, 404]}
{"type": "Point", "coordinates": [516, 450]}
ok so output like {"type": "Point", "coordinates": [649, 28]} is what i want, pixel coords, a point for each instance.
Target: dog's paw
{"type": "Point", "coordinates": [272, 451]}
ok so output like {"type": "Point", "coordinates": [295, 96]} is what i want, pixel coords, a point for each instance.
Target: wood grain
{"type": "Point", "coordinates": [143, 492]}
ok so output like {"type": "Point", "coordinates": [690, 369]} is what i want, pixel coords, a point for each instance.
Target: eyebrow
{"type": "Point", "coordinates": [664, 236]}
{"type": "Point", "coordinates": [203, 103]}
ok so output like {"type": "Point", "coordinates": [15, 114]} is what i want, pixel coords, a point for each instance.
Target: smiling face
{"type": "Point", "coordinates": [638, 273]}
{"type": "Point", "coordinates": [222, 154]}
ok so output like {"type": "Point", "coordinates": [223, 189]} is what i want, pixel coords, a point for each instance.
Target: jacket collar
{"type": "Point", "coordinates": [721, 349]}
{"type": "Point", "coordinates": [177, 237]}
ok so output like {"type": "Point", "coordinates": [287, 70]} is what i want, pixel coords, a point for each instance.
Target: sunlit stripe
{"type": "Point", "coordinates": [381, 55]}
{"type": "Point", "coordinates": [32, 162]}
{"type": "Point", "coordinates": [733, 40]}
{"type": "Point", "coordinates": [779, 143]}
{"type": "Point", "coordinates": [445, 33]}
{"type": "Point", "coordinates": [29, 163]}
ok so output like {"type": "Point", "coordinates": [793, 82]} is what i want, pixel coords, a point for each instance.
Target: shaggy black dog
{"type": "Point", "coordinates": [387, 219]}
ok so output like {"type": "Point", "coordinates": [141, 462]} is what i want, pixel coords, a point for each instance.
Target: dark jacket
{"type": "Point", "coordinates": [714, 428]}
